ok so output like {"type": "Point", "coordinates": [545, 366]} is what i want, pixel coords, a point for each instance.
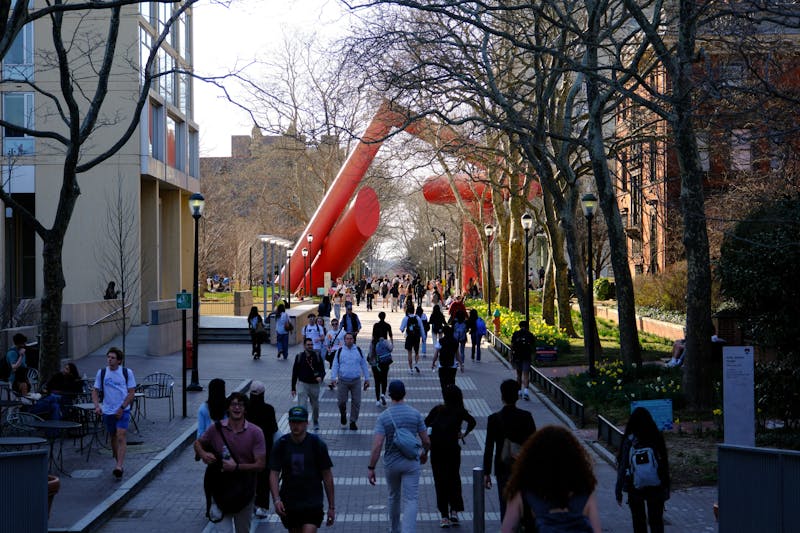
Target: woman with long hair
{"type": "Point", "coordinates": [445, 421]}
{"type": "Point", "coordinates": [552, 476]}
{"type": "Point", "coordinates": [282, 328]}
{"type": "Point", "coordinates": [255, 324]}
{"type": "Point", "coordinates": [215, 408]}
{"type": "Point", "coordinates": [437, 320]}
{"type": "Point", "coordinates": [643, 472]}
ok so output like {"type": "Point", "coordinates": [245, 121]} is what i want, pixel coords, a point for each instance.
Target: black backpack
{"type": "Point", "coordinates": [103, 378]}
{"type": "Point", "coordinates": [412, 326]}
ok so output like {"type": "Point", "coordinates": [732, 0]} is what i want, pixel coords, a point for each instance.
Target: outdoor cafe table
{"type": "Point", "coordinates": [21, 442]}
{"type": "Point", "coordinates": [53, 431]}
{"type": "Point", "coordinates": [88, 409]}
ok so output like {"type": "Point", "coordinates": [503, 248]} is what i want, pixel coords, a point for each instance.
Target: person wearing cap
{"type": "Point", "coordinates": [262, 414]}
{"type": "Point", "coordinates": [245, 452]}
{"type": "Point", "coordinates": [402, 473]}
{"type": "Point", "coordinates": [350, 322]}
{"type": "Point", "coordinates": [349, 366]}
{"type": "Point", "coordinates": [300, 467]}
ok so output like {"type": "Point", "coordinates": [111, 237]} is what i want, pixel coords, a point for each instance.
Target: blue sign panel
{"type": "Point", "coordinates": [660, 410]}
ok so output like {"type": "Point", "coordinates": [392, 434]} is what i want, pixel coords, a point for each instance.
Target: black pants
{"type": "Point", "coordinates": [447, 376]}
{"type": "Point", "coordinates": [256, 340]}
{"type": "Point", "coordinates": [446, 466]}
{"type": "Point", "coordinates": [654, 515]}
{"type": "Point", "coordinates": [381, 375]}
{"type": "Point", "coordinates": [370, 297]}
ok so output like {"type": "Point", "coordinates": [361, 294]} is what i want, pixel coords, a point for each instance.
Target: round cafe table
{"type": "Point", "coordinates": [53, 432]}
{"type": "Point", "coordinates": [21, 442]}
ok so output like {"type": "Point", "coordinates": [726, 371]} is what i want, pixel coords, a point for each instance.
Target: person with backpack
{"type": "Point", "coordinates": [308, 372]}
{"type": "Point", "coordinates": [117, 385]}
{"type": "Point", "coordinates": [426, 328]}
{"type": "Point", "coordinates": [415, 333]}
{"type": "Point", "coordinates": [15, 359]}
{"type": "Point", "coordinates": [445, 422]}
{"type": "Point", "coordinates": [258, 333]}
{"type": "Point", "coordinates": [445, 353]}
{"type": "Point", "coordinates": [460, 329]}
{"type": "Point", "coordinates": [477, 329]}
{"type": "Point", "coordinates": [506, 431]}
{"type": "Point", "coordinates": [381, 357]}
{"type": "Point", "coordinates": [349, 365]}
{"type": "Point", "coordinates": [554, 478]}
{"type": "Point", "coordinates": [523, 344]}
{"type": "Point", "coordinates": [643, 472]}
{"type": "Point", "coordinates": [394, 292]}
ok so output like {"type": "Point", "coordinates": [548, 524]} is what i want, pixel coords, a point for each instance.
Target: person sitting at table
{"type": "Point", "coordinates": [21, 386]}
{"type": "Point", "coordinates": [60, 390]}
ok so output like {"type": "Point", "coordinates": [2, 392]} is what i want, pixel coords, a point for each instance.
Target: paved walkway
{"type": "Point", "coordinates": [170, 496]}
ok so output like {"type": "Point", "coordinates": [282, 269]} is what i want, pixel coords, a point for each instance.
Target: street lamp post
{"type": "Point", "coordinates": [196, 205]}
{"type": "Point", "coordinates": [489, 230]}
{"type": "Point", "coordinates": [264, 240]}
{"type": "Point", "coordinates": [527, 222]}
{"type": "Point", "coordinates": [589, 204]}
{"type": "Point", "coordinates": [304, 251]}
{"type": "Point", "coordinates": [272, 274]}
{"type": "Point", "coordinates": [310, 239]}
{"type": "Point", "coordinates": [288, 278]}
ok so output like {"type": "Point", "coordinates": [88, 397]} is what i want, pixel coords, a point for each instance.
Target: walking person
{"type": "Point", "coordinates": [402, 470]}
{"type": "Point", "coordinates": [258, 333]}
{"type": "Point", "coordinates": [314, 331]}
{"type": "Point", "coordinates": [235, 450]}
{"type": "Point", "coordinates": [117, 385]}
{"type": "Point", "coordinates": [437, 320]}
{"type": "Point", "coordinates": [300, 467]}
{"type": "Point", "coordinates": [213, 409]}
{"type": "Point", "coordinates": [523, 344]}
{"type": "Point", "coordinates": [477, 329]}
{"type": "Point", "coordinates": [262, 414]}
{"type": "Point", "coordinates": [349, 365]}
{"type": "Point", "coordinates": [370, 290]}
{"type": "Point", "coordinates": [426, 327]}
{"type": "Point", "coordinates": [333, 341]}
{"type": "Point", "coordinates": [446, 355]}
{"type": "Point", "coordinates": [412, 326]}
{"type": "Point", "coordinates": [553, 476]}
{"type": "Point", "coordinates": [446, 421]}
{"type": "Point", "coordinates": [282, 328]}
{"type": "Point", "coordinates": [308, 372]}
{"type": "Point", "coordinates": [350, 321]}
{"type": "Point", "coordinates": [381, 335]}
{"type": "Point", "coordinates": [324, 309]}
{"type": "Point", "coordinates": [338, 300]}
{"type": "Point", "coordinates": [643, 472]}
{"type": "Point", "coordinates": [506, 432]}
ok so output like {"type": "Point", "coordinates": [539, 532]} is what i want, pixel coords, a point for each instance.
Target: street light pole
{"type": "Point", "coordinates": [310, 239]}
{"type": "Point", "coordinates": [288, 278]}
{"type": "Point", "coordinates": [489, 230]}
{"type": "Point", "coordinates": [304, 251]}
{"type": "Point", "coordinates": [196, 204]}
{"type": "Point", "coordinates": [272, 274]}
{"type": "Point", "coordinates": [589, 203]}
{"type": "Point", "coordinates": [527, 222]}
{"type": "Point", "coordinates": [264, 240]}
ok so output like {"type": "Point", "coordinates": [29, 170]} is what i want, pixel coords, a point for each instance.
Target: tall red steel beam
{"type": "Point", "coordinates": [357, 225]}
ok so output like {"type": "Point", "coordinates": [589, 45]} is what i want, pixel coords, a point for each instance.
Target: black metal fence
{"type": "Point", "coordinates": [608, 433]}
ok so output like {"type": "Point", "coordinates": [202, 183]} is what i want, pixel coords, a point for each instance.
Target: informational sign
{"type": "Point", "coordinates": [660, 410]}
{"type": "Point", "coordinates": [738, 411]}
{"type": "Point", "coordinates": [183, 300]}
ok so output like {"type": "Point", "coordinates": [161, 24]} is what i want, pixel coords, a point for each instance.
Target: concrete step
{"type": "Point", "coordinates": [224, 335]}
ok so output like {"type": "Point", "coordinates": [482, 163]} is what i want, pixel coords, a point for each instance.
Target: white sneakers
{"type": "Point", "coordinates": [260, 512]}
{"type": "Point", "coordinates": [214, 512]}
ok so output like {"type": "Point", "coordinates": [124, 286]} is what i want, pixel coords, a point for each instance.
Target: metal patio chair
{"type": "Point", "coordinates": [160, 385]}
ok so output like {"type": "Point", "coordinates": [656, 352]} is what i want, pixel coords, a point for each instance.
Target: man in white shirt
{"type": "Point", "coordinates": [117, 384]}
{"type": "Point", "coordinates": [349, 366]}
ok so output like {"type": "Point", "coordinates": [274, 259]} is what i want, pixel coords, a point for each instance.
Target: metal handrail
{"type": "Point", "coordinates": [609, 433]}
{"type": "Point", "coordinates": [112, 313]}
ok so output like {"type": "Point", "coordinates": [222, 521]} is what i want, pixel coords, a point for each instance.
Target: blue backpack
{"type": "Point", "coordinates": [460, 331]}
{"type": "Point", "coordinates": [570, 521]}
{"type": "Point", "coordinates": [480, 327]}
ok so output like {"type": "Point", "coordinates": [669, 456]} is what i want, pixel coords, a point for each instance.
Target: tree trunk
{"type": "Point", "coordinates": [549, 294]}
{"type": "Point", "coordinates": [516, 258]}
{"type": "Point", "coordinates": [52, 299]}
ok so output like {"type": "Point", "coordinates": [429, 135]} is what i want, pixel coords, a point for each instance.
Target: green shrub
{"type": "Point", "coordinates": [509, 323]}
{"type": "Point", "coordinates": [604, 289]}
{"type": "Point", "coordinates": [777, 391]}
{"type": "Point", "coordinates": [665, 291]}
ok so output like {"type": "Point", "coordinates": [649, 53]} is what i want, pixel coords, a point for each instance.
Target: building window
{"type": "Point", "coordinates": [741, 151]}
{"type": "Point", "coordinates": [184, 96]}
{"type": "Point", "coordinates": [194, 154]}
{"type": "Point", "coordinates": [18, 109]}
{"type": "Point", "coordinates": [144, 52]}
{"type": "Point", "coordinates": [623, 176]}
{"type": "Point", "coordinates": [171, 138]}
{"type": "Point", "coordinates": [702, 151]}
{"type": "Point", "coordinates": [156, 133]}
{"type": "Point", "coordinates": [168, 77]}
{"type": "Point", "coordinates": [185, 37]}
{"type": "Point", "coordinates": [149, 10]}
{"type": "Point", "coordinates": [18, 61]}
{"type": "Point", "coordinates": [180, 146]}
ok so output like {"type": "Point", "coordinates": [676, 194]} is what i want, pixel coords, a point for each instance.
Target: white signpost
{"type": "Point", "coordinates": [739, 406]}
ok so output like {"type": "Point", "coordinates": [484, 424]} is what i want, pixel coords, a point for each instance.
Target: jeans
{"type": "Point", "coordinates": [337, 311]}
{"type": "Point", "coordinates": [283, 344]}
{"type": "Point", "coordinates": [403, 481]}
{"type": "Point", "coordinates": [353, 388]}
{"type": "Point", "coordinates": [476, 345]}
{"type": "Point", "coordinates": [309, 393]}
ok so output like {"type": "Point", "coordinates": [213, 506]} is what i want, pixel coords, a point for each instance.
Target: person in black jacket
{"type": "Point", "coordinates": [510, 423]}
{"type": "Point", "coordinates": [642, 432]}
{"type": "Point", "coordinates": [523, 346]}
{"type": "Point", "coordinates": [262, 414]}
{"type": "Point", "coordinates": [445, 421]}
{"type": "Point", "coordinates": [307, 374]}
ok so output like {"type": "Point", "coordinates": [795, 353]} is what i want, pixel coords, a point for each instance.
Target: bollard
{"type": "Point", "coordinates": [478, 502]}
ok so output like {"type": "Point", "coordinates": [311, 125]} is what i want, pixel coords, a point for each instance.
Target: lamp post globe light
{"type": "Point", "coordinates": [304, 251]}
{"type": "Point", "coordinates": [527, 223]}
{"type": "Point", "coordinates": [488, 229]}
{"type": "Point", "coordinates": [589, 204]}
{"type": "Point", "coordinates": [196, 205]}
{"type": "Point", "coordinates": [310, 239]}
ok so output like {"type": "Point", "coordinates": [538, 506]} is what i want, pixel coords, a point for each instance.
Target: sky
{"type": "Point", "coordinates": [227, 36]}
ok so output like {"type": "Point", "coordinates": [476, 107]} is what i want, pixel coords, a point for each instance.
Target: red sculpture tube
{"type": "Point", "coordinates": [351, 233]}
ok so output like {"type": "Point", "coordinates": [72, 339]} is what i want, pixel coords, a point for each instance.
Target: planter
{"type": "Point", "coordinates": [53, 486]}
